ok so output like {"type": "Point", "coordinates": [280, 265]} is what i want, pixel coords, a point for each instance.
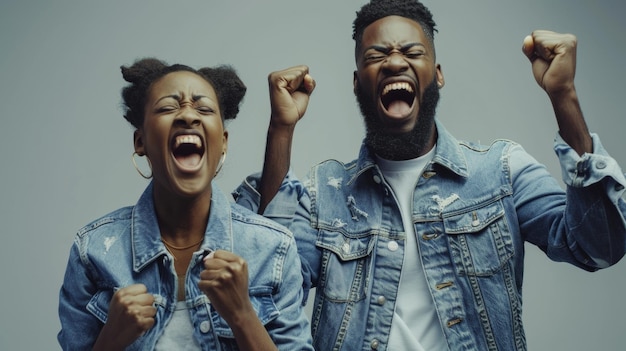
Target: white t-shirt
{"type": "Point", "coordinates": [415, 325]}
{"type": "Point", "coordinates": [178, 333]}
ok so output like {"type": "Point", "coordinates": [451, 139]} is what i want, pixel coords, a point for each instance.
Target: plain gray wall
{"type": "Point", "coordinates": [65, 150]}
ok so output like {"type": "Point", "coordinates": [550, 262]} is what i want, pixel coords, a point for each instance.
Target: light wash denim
{"type": "Point", "coordinates": [474, 207]}
{"type": "Point", "coordinates": [124, 248]}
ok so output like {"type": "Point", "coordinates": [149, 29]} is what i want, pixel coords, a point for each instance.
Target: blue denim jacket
{"type": "Point", "coordinates": [124, 248]}
{"type": "Point", "coordinates": [473, 209]}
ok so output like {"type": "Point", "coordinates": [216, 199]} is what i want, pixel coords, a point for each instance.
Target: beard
{"type": "Point", "coordinates": [399, 146]}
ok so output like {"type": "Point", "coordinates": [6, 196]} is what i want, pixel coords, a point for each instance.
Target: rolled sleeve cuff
{"type": "Point", "coordinates": [590, 168]}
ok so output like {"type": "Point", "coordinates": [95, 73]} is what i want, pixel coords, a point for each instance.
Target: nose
{"type": "Point", "coordinates": [395, 63]}
{"type": "Point", "coordinates": [188, 117]}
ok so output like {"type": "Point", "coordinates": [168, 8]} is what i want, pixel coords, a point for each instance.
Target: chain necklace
{"type": "Point", "coordinates": [180, 266]}
{"type": "Point", "coordinates": [170, 246]}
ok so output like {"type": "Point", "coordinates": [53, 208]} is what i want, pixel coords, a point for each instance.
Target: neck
{"type": "Point", "coordinates": [182, 220]}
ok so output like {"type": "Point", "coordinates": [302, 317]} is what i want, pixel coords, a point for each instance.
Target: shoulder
{"type": "Point", "coordinates": [495, 145]}
{"type": "Point", "coordinates": [336, 164]}
{"type": "Point", "coordinates": [498, 151]}
{"type": "Point", "coordinates": [258, 239]}
{"type": "Point", "coordinates": [255, 223]}
{"type": "Point", "coordinates": [119, 218]}
{"type": "Point", "coordinates": [334, 170]}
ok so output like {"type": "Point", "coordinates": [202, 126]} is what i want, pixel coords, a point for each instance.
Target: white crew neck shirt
{"type": "Point", "coordinates": [178, 333]}
{"type": "Point", "coordinates": [415, 325]}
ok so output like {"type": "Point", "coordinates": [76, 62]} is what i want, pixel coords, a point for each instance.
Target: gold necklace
{"type": "Point", "coordinates": [169, 247]}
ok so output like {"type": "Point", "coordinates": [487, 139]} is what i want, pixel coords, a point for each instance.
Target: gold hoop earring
{"type": "Point", "coordinates": [219, 166]}
{"type": "Point", "coordinates": [137, 167]}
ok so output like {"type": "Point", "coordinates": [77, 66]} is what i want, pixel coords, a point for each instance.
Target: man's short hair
{"type": "Point", "coordinates": [377, 9]}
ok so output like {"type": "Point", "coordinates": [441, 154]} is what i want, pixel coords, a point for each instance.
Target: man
{"type": "Point", "coordinates": [418, 244]}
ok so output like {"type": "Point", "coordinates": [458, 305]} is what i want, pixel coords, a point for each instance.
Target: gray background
{"type": "Point", "coordinates": [65, 148]}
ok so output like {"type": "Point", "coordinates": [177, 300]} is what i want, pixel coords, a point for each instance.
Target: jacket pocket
{"type": "Point", "coordinates": [99, 304]}
{"type": "Point", "coordinates": [263, 303]}
{"type": "Point", "coordinates": [344, 264]}
{"type": "Point", "coordinates": [480, 239]}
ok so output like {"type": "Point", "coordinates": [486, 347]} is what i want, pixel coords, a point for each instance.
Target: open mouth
{"type": "Point", "coordinates": [398, 98]}
{"type": "Point", "coordinates": [188, 151]}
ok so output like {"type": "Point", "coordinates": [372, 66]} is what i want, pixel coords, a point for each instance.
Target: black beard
{"type": "Point", "coordinates": [403, 146]}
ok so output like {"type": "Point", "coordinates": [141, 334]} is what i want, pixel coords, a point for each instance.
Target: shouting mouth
{"type": "Point", "coordinates": [188, 151]}
{"type": "Point", "coordinates": [398, 98]}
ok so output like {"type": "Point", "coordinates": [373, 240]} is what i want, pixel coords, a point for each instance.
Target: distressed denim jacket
{"type": "Point", "coordinates": [473, 209]}
{"type": "Point", "coordinates": [124, 248]}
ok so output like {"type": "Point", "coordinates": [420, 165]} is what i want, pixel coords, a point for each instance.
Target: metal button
{"type": "Point", "coordinates": [600, 165]}
{"type": "Point", "coordinates": [205, 326]}
{"type": "Point", "coordinates": [392, 246]}
{"type": "Point", "coordinates": [381, 300]}
{"type": "Point", "coordinates": [475, 222]}
{"type": "Point", "coordinates": [374, 345]}
{"type": "Point", "coordinates": [377, 179]}
{"type": "Point", "coordinates": [454, 322]}
{"type": "Point", "coordinates": [443, 285]}
{"type": "Point", "coordinates": [430, 236]}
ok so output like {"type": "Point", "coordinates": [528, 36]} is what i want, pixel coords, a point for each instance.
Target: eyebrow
{"type": "Point", "coordinates": [177, 97]}
{"type": "Point", "coordinates": [387, 49]}
{"type": "Point", "coordinates": [198, 97]}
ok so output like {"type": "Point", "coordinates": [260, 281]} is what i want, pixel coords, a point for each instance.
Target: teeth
{"type": "Point", "coordinates": [188, 139]}
{"type": "Point", "coordinates": [397, 86]}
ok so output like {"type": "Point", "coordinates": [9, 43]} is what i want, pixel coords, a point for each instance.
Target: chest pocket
{"type": "Point", "coordinates": [99, 304]}
{"type": "Point", "coordinates": [263, 303]}
{"type": "Point", "coordinates": [344, 264]}
{"type": "Point", "coordinates": [100, 301]}
{"type": "Point", "coordinates": [480, 239]}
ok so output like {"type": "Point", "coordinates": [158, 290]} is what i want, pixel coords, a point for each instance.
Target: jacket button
{"type": "Point", "coordinates": [377, 179]}
{"type": "Point", "coordinates": [392, 246]}
{"type": "Point", "coordinates": [374, 345]}
{"type": "Point", "coordinates": [205, 326]}
{"type": "Point", "coordinates": [601, 165]}
{"type": "Point", "coordinates": [381, 300]}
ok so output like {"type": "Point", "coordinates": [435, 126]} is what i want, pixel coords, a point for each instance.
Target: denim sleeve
{"type": "Point", "coordinates": [291, 329]}
{"type": "Point", "coordinates": [585, 223]}
{"type": "Point", "coordinates": [79, 327]}
{"type": "Point", "coordinates": [282, 207]}
{"type": "Point", "coordinates": [291, 208]}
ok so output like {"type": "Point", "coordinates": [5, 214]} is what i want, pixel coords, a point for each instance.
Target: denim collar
{"type": "Point", "coordinates": [145, 233]}
{"type": "Point", "coordinates": [447, 154]}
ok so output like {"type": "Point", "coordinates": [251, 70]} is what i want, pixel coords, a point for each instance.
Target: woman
{"type": "Point", "coordinates": [183, 269]}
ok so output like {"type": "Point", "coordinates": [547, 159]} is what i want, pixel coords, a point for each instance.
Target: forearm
{"type": "Point", "coordinates": [277, 162]}
{"type": "Point", "coordinates": [250, 334]}
{"type": "Point", "coordinates": [107, 343]}
{"type": "Point", "coordinates": [571, 122]}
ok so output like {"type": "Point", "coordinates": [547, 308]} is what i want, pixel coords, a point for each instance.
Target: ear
{"type": "Point", "coordinates": [440, 81]}
{"type": "Point", "coordinates": [355, 81]}
{"type": "Point", "coordinates": [138, 142]}
{"type": "Point", "coordinates": [225, 142]}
